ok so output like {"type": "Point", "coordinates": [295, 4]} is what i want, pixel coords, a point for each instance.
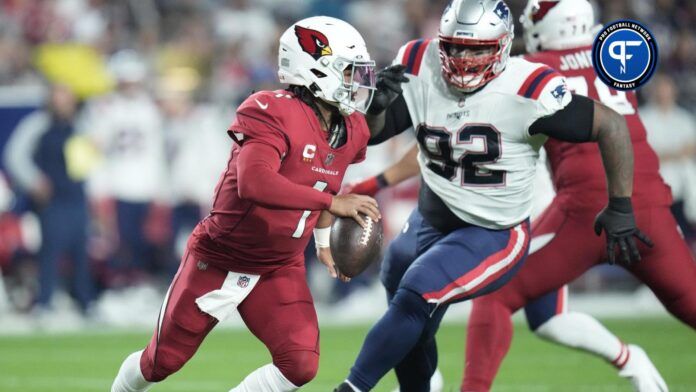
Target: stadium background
{"type": "Point", "coordinates": [194, 62]}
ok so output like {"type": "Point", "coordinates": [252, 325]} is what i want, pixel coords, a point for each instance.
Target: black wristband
{"type": "Point", "coordinates": [381, 181]}
{"type": "Point", "coordinates": [621, 204]}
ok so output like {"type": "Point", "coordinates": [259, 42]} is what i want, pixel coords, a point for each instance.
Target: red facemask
{"type": "Point", "coordinates": [468, 64]}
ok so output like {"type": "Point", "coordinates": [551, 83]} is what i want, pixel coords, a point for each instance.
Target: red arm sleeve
{"type": "Point", "coordinates": [360, 156]}
{"type": "Point", "coordinates": [259, 181]}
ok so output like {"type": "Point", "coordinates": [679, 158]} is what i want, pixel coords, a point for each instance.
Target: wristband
{"type": "Point", "coordinates": [322, 236]}
{"type": "Point", "coordinates": [381, 181]}
{"type": "Point", "coordinates": [621, 204]}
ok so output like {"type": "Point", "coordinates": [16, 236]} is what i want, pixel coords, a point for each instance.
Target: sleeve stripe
{"type": "Point", "coordinates": [407, 52]}
{"type": "Point", "coordinates": [419, 57]}
{"type": "Point", "coordinates": [529, 80]}
{"type": "Point", "coordinates": [533, 81]}
{"type": "Point", "coordinates": [543, 84]}
{"type": "Point", "coordinates": [411, 54]}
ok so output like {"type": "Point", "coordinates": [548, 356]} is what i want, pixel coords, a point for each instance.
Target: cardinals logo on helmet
{"type": "Point", "coordinates": [313, 42]}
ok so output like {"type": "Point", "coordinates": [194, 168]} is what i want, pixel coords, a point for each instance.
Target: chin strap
{"type": "Point", "coordinates": [337, 135]}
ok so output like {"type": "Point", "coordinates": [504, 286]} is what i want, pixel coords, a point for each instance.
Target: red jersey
{"type": "Point", "coordinates": [244, 236]}
{"type": "Point", "coordinates": [576, 169]}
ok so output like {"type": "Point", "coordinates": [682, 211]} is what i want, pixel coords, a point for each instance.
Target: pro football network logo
{"type": "Point", "coordinates": [313, 42]}
{"type": "Point", "coordinates": [624, 55]}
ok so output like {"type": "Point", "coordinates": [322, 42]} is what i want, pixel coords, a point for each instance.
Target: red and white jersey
{"type": "Point", "coordinates": [476, 152]}
{"type": "Point", "coordinates": [576, 169]}
{"type": "Point", "coordinates": [241, 236]}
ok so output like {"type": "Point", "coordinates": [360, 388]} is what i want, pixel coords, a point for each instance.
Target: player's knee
{"type": "Point", "coordinates": [391, 273]}
{"type": "Point", "coordinates": [411, 303]}
{"type": "Point", "coordinates": [299, 366]}
{"type": "Point", "coordinates": [684, 308]}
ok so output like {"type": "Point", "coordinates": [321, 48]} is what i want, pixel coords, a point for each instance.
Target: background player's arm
{"type": "Point", "coordinates": [585, 120]}
{"type": "Point", "coordinates": [611, 132]}
{"type": "Point", "coordinates": [407, 167]}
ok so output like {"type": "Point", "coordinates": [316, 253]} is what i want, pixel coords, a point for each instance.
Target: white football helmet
{"type": "Point", "coordinates": [316, 53]}
{"type": "Point", "coordinates": [475, 40]}
{"type": "Point", "coordinates": [558, 24]}
{"type": "Point", "coordinates": [127, 66]}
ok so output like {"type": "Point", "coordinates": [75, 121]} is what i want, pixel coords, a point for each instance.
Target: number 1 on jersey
{"type": "Point", "coordinates": [320, 186]}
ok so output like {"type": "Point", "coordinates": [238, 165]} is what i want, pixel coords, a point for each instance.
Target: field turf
{"type": "Point", "coordinates": [88, 362]}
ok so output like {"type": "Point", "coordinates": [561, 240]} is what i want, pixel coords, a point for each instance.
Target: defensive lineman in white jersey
{"type": "Point", "coordinates": [480, 119]}
{"type": "Point", "coordinates": [487, 132]}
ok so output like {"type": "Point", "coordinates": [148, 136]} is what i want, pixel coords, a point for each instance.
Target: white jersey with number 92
{"type": "Point", "coordinates": [475, 150]}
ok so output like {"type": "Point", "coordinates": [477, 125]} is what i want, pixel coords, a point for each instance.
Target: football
{"type": "Point", "coordinates": [354, 248]}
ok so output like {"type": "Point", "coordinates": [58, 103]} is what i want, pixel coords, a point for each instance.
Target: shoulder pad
{"type": "Point", "coordinates": [411, 55]}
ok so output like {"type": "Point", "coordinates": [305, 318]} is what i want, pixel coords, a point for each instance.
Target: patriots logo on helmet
{"type": "Point", "coordinates": [313, 42]}
{"type": "Point", "coordinates": [502, 11]}
{"type": "Point", "coordinates": [542, 9]}
{"type": "Point", "coordinates": [559, 92]}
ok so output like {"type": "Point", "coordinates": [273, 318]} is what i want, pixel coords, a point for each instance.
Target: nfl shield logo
{"type": "Point", "coordinates": [243, 281]}
{"type": "Point", "coordinates": [329, 159]}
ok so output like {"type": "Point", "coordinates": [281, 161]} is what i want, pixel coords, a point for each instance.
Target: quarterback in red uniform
{"type": "Point", "coordinates": [292, 149]}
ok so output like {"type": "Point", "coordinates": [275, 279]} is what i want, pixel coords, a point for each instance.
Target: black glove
{"type": "Point", "coordinates": [620, 225]}
{"type": "Point", "coordinates": [388, 88]}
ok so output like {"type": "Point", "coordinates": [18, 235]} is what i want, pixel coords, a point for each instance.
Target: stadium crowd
{"type": "Point", "coordinates": [113, 118]}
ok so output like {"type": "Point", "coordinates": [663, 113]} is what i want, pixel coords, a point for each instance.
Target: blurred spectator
{"type": "Point", "coordinates": [126, 126]}
{"type": "Point", "coordinates": [10, 238]}
{"type": "Point", "coordinates": [672, 133]}
{"type": "Point", "coordinates": [36, 159]}
{"type": "Point", "coordinates": [252, 26]}
{"type": "Point", "coordinates": [197, 149]}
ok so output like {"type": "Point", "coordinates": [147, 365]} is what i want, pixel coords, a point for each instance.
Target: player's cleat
{"type": "Point", "coordinates": [437, 382]}
{"type": "Point", "coordinates": [641, 371]}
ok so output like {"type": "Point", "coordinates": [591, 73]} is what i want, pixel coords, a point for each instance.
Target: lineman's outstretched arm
{"type": "Point", "coordinates": [585, 120]}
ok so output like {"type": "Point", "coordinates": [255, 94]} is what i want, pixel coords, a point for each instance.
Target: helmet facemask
{"type": "Point", "coordinates": [357, 88]}
{"type": "Point", "coordinates": [469, 64]}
